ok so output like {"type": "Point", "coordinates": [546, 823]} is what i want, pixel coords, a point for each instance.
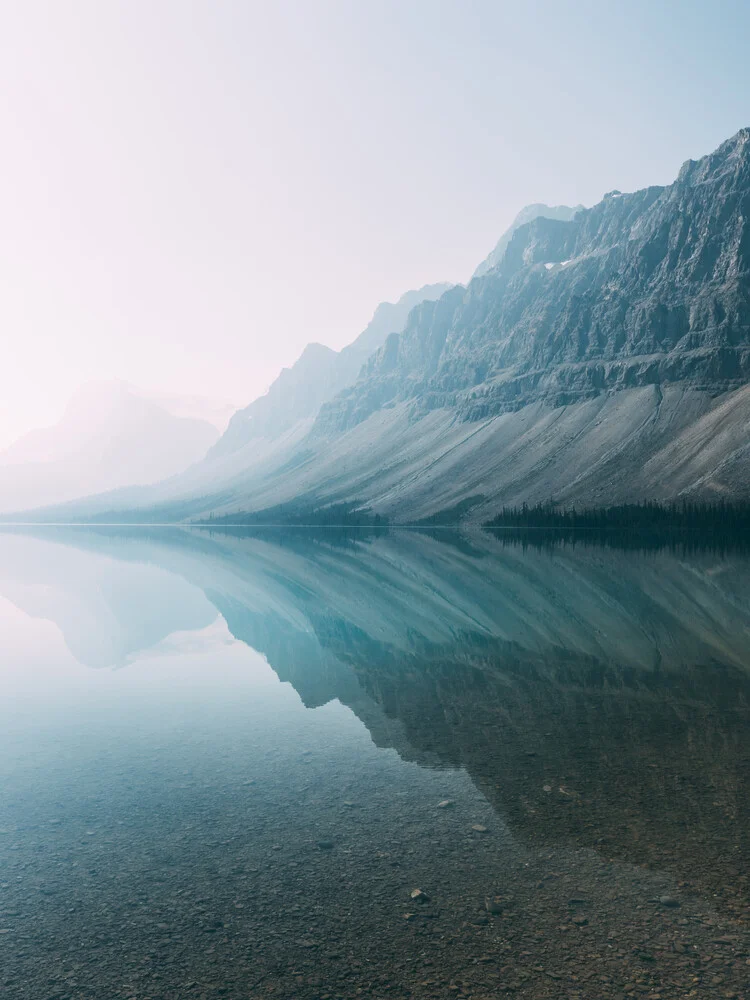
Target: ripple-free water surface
{"type": "Point", "coordinates": [225, 759]}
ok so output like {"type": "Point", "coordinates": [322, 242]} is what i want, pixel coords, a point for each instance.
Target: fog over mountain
{"type": "Point", "coordinates": [110, 435]}
{"type": "Point", "coordinates": [317, 376]}
{"type": "Point", "coordinates": [603, 358]}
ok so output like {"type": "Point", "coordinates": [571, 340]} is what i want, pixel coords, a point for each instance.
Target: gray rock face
{"type": "Point", "coordinates": [603, 359]}
{"type": "Point", "coordinates": [318, 375]}
{"type": "Point", "coordinates": [297, 392]}
{"type": "Point", "coordinates": [562, 212]}
{"type": "Point", "coordinates": [642, 289]}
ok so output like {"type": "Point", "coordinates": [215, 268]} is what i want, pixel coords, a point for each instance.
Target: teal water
{"type": "Point", "coordinates": [225, 758]}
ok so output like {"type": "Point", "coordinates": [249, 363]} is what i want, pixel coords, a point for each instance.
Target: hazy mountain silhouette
{"type": "Point", "coordinates": [602, 359]}
{"type": "Point", "coordinates": [317, 376]}
{"type": "Point", "coordinates": [110, 435]}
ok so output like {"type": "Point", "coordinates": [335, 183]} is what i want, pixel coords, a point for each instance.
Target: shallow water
{"type": "Point", "coordinates": [223, 757]}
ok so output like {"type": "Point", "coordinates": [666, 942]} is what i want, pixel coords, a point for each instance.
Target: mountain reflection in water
{"type": "Point", "coordinates": [597, 700]}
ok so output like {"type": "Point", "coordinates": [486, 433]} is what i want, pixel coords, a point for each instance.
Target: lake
{"type": "Point", "coordinates": [295, 764]}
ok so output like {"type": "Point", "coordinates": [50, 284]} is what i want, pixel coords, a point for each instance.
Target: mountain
{"type": "Point", "coordinates": [111, 435]}
{"type": "Point", "coordinates": [211, 411]}
{"type": "Point", "coordinates": [528, 214]}
{"type": "Point", "coordinates": [317, 376]}
{"type": "Point", "coordinates": [645, 289]}
{"type": "Point", "coordinates": [603, 359]}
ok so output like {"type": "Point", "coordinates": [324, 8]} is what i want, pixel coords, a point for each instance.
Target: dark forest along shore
{"type": "Point", "coordinates": [375, 763]}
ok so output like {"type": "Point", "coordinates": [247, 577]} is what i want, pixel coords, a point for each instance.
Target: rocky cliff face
{"type": "Point", "coordinates": [317, 376]}
{"type": "Point", "coordinates": [604, 359]}
{"type": "Point", "coordinates": [562, 212]}
{"type": "Point", "coordinates": [650, 288]}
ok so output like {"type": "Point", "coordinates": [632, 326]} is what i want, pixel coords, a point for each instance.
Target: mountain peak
{"type": "Point", "coordinates": [605, 359]}
{"type": "Point", "coordinates": [390, 317]}
{"type": "Point", "coordinates": [317, 376]}
{"type": "Point", "coordinates": [426, 292]}
{"type": "Point", "coordinates": [563, 213]}
{"type": "Point", "coordinates": [731, 156]}
{"type": "Point", "coordinates": [110, 435]}
{"type": "Point", "coordinates": [315, 351]}
{"type": "Point", "coordinates": [738, 142]}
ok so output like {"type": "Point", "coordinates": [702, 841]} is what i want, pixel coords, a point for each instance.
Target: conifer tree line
{"type": "Point", "coordinates": [687, 515]}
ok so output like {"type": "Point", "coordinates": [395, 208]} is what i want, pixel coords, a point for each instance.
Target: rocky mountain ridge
{"type": "Point", "coordinates": [642, 289]}
{"type": "Point", "coordinates": [604, 359]}
{"type": "Point", "coordinates": [317, 376]}
{"type": "Point", "coordinates": [527, 214]}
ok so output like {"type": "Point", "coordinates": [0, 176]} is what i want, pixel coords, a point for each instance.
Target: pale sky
{"type": "Point", "coordinates": [192, 190]}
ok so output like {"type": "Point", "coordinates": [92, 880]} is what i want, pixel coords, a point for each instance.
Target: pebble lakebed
{"type": "Point", "coordinates": [216, 882]}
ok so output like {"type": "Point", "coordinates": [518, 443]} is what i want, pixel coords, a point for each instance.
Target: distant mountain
{"type": "Point", "coordinates": [644, 289]}
{"type": "Point", "coordinates": [561, 212]}
{"type": "Point", "coordinates": [211, 411]}
{"type": "Point", "coordinates": [111, 435]}
{"type": "Point", "coordinates": [317, 376]}
{"type": "Point", "coordinates": [603, 359]}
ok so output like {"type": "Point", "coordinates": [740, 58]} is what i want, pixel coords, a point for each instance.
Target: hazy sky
{"type": "Point", "coordinates": [191, 191]}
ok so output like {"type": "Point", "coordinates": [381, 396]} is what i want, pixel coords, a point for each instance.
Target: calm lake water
{"type": "Point", "coordinates": [229, 759]}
